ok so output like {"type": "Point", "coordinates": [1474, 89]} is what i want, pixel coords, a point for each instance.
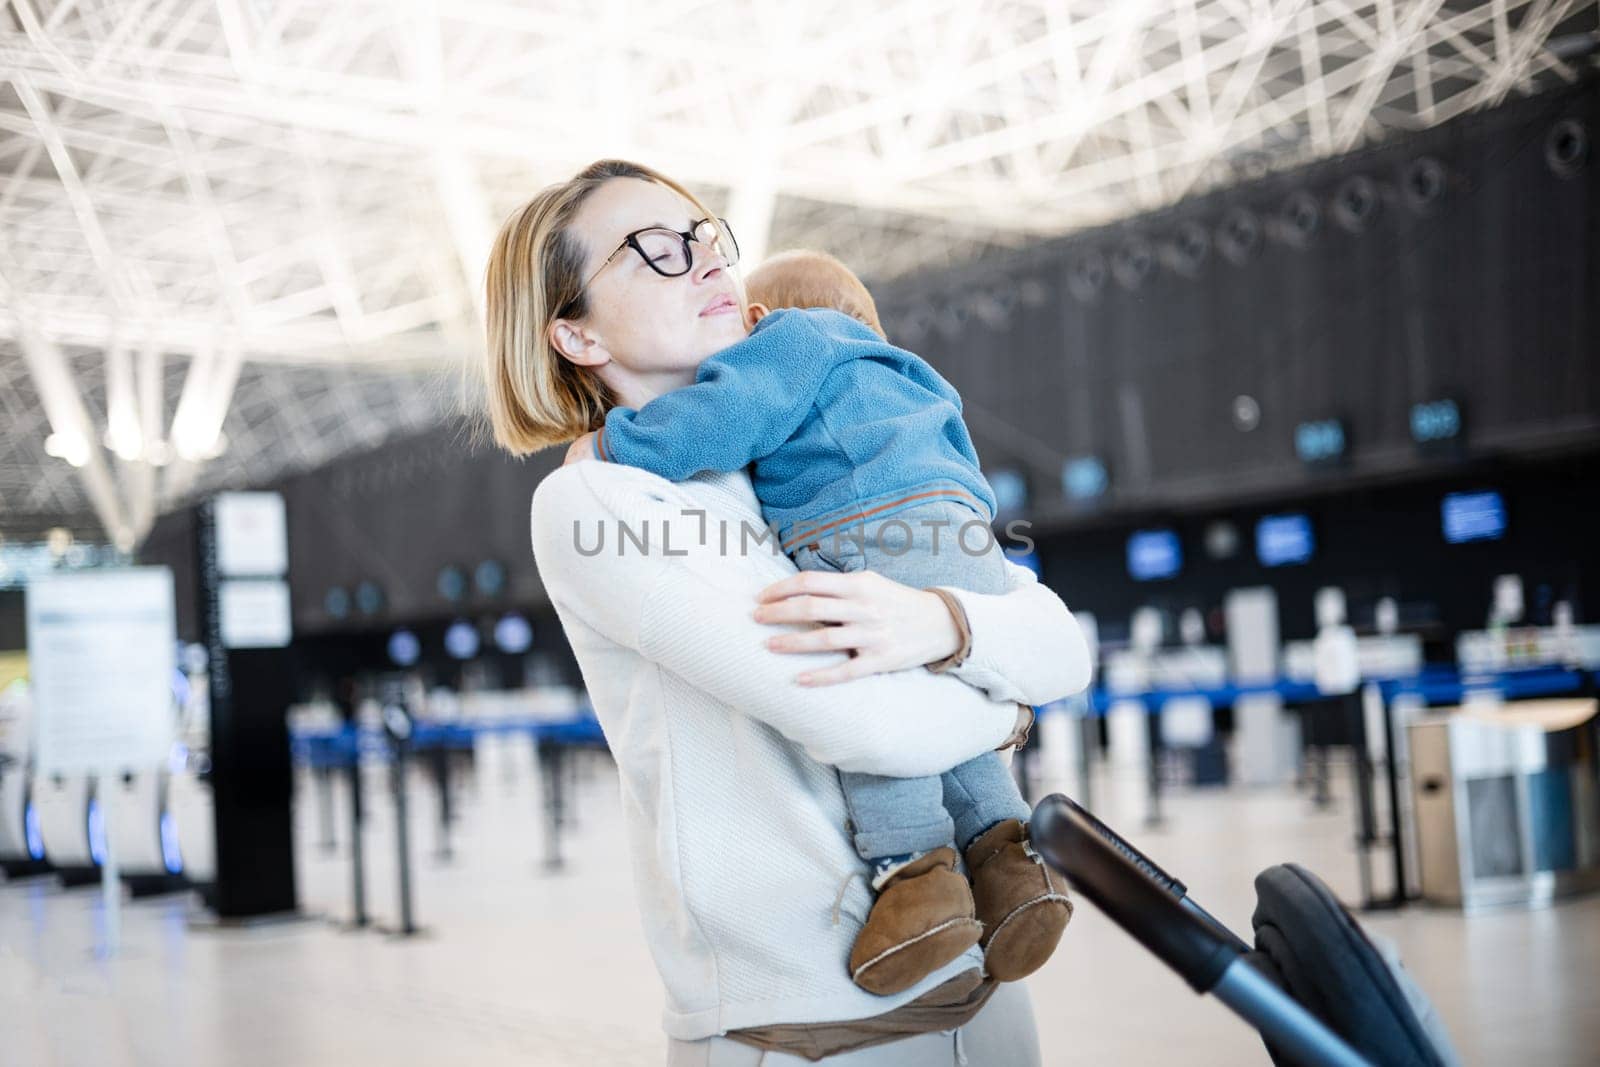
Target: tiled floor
{"type": "Point", "coordinates": [519, 967]}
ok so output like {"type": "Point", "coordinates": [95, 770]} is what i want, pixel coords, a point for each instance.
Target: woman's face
{"type": "Point", "coordinates": [645, 334]}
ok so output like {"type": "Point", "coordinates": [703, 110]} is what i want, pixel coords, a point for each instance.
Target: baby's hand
{"type": "Point", "coordinates": [581, 449]}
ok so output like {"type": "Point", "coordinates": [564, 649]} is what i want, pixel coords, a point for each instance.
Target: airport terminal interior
{"type": "Point", "coordinates": [1260, 340]}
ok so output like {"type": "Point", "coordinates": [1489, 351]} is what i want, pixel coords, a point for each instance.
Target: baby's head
{"type": "Point", "coordinates": [806, 279]}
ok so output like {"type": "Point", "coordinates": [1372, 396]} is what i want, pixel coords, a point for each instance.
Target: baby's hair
{"type": "Point", "coordinates": [804, 278]}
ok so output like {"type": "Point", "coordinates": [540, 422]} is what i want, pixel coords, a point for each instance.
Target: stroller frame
{"type": "Point", "coordinates": [1155, 909]}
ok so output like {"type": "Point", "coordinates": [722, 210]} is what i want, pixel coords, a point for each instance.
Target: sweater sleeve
{"type": "Point", "coordinates": [1026, 645]}
{"type": "Point", "coordinates": [745, 402]}
{"type": "Point", "coordinates": [688, 607]}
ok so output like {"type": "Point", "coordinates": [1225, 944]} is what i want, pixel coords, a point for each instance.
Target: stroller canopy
{"type": "Point", "coordinates": [1315, 950]}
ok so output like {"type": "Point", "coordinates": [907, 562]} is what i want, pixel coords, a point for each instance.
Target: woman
{"type": "Point", "coordinates": [688, 625]}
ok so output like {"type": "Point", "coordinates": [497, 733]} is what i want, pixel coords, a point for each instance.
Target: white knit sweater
{"type": "Point", "coordinates": [736, 825]}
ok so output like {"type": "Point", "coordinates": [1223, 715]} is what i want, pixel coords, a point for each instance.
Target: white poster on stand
{"type": "Point", "coordinates": [101, 651]}
{"type": "Point", "coordinates": [254, 613]}
{"type": "Point", "coordinates": [252, 535]}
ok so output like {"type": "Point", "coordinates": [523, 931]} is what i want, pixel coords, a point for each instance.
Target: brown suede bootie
{"type": "Point", "coordinates": [922, 919]}
{"type": "Point", "coordinates": [1022, 904]}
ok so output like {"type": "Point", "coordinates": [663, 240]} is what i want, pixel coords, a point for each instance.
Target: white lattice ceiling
{"type": "Point", "coordinates": [212, 209]}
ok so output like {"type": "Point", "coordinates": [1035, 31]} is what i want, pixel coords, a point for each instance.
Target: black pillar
{"type": "Point", "coordinates": [251, 690]}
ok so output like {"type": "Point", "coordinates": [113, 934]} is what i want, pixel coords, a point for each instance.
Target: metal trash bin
{"type": "Point", "coordinates": [1507, 802]}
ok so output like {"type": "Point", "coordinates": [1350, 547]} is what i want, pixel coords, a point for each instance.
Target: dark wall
{"type": "Point", "coordinates": [1373, 542]}
{"type": "Point", "coordinates": [171, 543]}
{"type": "Point", "coordinates": [1486, 295]}
{"type": "Point", "coordinates": [399, 515]}
{"type": "Point", "coordinates": [396, 516]}
{"type": "Point", "coordinates": [13, 620]}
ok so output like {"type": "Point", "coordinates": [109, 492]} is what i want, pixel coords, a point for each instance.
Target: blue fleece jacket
{"type": "Point", "coordinates": [842, 427]}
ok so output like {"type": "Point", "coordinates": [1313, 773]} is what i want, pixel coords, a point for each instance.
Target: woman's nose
{"type": "Point", "coordinates": [708, 263]}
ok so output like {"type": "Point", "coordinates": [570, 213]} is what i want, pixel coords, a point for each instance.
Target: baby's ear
{"type": "Point", "coordinates": [758, 312]}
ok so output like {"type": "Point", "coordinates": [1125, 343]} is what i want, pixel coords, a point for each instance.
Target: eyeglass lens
{"type": "Point", "coordinates": [669, 254]}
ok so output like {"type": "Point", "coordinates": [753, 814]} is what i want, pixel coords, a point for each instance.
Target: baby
{"type": "Point", "coordinates": [861, 462]}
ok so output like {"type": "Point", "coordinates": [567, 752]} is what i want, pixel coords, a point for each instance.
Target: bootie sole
{"type": "Point", "coordinates": [1024, 940]}
{"type": "Point", "coordinates": [904, 965]}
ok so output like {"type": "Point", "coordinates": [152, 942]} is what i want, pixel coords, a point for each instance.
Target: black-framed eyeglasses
{"type": "Point", "coordinates": [667, 251]}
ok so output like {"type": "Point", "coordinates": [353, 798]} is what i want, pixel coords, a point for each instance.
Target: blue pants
{"type": "Point", "coordinates": [939, 543]}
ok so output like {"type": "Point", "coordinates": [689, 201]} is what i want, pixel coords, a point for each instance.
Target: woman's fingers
{"type": "Point", "coordinates": [822, 639]}
{"type": "Point", "coordinates": [856, 667]}
{"type": "Point", "coordinates": [883, 624]}
{"type": "Point", "coordinates": [819, 583]}
{"type": "Point", "coordinates": [807, 607]}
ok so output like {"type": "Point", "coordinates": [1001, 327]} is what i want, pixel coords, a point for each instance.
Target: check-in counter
{"type": "Point", "coordinates": [1507, 802]}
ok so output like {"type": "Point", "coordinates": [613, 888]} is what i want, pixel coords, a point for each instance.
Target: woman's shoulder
{"type": "Point", "coordinates": [580, 487]}
{"type": "Point", "coordinates": [594, 489]}
{"type": "Point", "coordinates": [578, 508]}
{"type": "Point", "coordinates": [579, 505]}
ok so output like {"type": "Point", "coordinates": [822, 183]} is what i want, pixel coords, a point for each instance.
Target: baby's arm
{"type": "Point", "coordinates": [746, 401]}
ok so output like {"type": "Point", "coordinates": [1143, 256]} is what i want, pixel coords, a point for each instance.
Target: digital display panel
{"type": "Point", "coordinates": [513, 634]}
{"type": "Point", "coordinates": [461, 640]}
{"type": "Point", "coordinates": [1319, 442]}
{"type": "Point", "coordinates": [1282, 540]}
{"type": "Point", "coordinates": [1473, 517]}
{"type": "Point", "coordinates": [404, 648]}
{"type": "Point", "coordinates": [1436, 420]}
{"type": "Point", "coordinates": [1084, 478]}
{"type": "Point", "coordinates": [1153, 555]}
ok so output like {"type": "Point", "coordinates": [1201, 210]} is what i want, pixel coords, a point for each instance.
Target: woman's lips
{"type": "Point", "coordinates": [722, 305]}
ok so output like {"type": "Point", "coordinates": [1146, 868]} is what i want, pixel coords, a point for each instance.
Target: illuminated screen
{"type": "Point", "coordinates": [404, 648]}
{"type": "Point", "coordinates": [461, 640]}
{"type": "Point", "coordinates": [1319, 442]}
{"type": "Point", "coordinates": [1153, 555]}
{"type": "Point", "coordinates": [1084, 478]}
{"type": "Point", "coordinates": [1473, 517]}
{"type": "Point", "coordinates": [1437, 420]}
{"type": "Point", "coordinates": [512, 634]}
{"type": "Point", "coordinates": [1284, 539]}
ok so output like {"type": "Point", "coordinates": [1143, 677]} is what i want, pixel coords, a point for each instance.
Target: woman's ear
{"type": "Point", "coordinates": [758, 312]}
{"type": "Point", "coordinates": [577, 344]}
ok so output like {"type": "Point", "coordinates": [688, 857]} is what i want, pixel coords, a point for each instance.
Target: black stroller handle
{"type": "Point", "coordinates": [1151, 871]}
{"type": "Point", "coordinates": [1153, 907]}
{"type": "Point", "coordinates": [1138, 896]}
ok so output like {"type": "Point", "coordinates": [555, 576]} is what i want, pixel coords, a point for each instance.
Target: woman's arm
{"type": "Point", "coordinates": [689, 607]}
{"type": "Point", "coordinates": [1026, 646]}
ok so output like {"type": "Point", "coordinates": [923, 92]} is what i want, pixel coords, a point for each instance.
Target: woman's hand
{"type": "Point", "coordinates": [882, 624]}
{"type": "Point", "coordinates": [581, 449]}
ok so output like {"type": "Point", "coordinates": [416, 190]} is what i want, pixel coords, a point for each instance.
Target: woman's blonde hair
{"type": "Point", "coordinates": [536, 397]}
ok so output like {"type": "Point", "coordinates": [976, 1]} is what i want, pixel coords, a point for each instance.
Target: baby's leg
{"type": "Point", "coordinates": [938, 543]}
{"type": "Point", "coordinates": [923, 915]}
{"type": "Point", "coordinates": [980, 793]}
{"type": "Point", "coordinates": [1023, 907]}
{"type": "Point", "coordinates": [895, 818]}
